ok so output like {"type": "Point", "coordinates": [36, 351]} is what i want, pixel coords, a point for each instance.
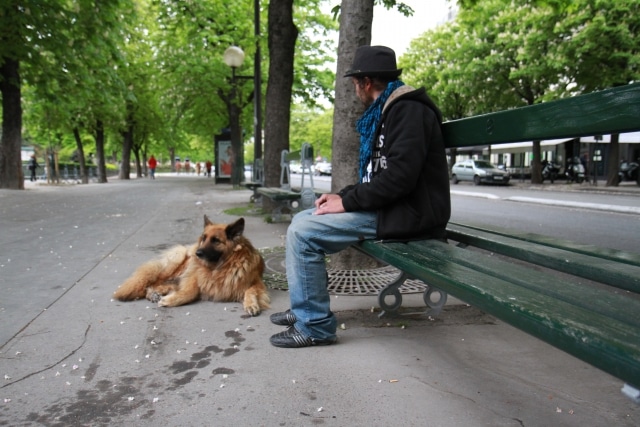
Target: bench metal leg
{"type": "Point", "coordinates": [292, 206]}
{"type": "Point", "coordinates": [434, 298]}
{"type": "Point", "coordinates": [255, 198]}
{"type": "Point", "coordinates": [392, 289]}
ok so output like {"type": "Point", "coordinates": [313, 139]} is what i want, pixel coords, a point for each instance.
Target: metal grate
{"type": "Point", "coordinates": [369, 282]}
{"type": "Point", "coordinates": [341, 282]}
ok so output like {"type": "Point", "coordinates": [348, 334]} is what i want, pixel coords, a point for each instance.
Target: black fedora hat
{"type": "Point", "coordinates": [374, 61]}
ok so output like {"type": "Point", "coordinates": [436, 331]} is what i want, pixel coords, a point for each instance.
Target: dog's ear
{"type": "Point", "coordinates": [235, 229]}
{"type": "Point", "coordinates": [207, 221]}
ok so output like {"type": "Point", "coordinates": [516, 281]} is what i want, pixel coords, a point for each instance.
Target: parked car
{"type": "Point", "coordinates": [479, 172]}
{"type": "Point", "coordinates": [322, 168]}
{"type": "Point", "coordinates": [295, 167]}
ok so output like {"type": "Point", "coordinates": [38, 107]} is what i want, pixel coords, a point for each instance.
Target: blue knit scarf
{"type": "Point", "coordinates": [368, 123]}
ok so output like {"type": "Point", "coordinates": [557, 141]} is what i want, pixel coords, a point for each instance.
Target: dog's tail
{"type": "Point", "coordinates": [135, 287]}
{"type": "Point", "coordinates": [152, 273]}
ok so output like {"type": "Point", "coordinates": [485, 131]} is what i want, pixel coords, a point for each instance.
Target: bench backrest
{"type": "Point", "coordinates": [306, 161]}
{"type": "Point", "coordinates": [258, 171]}
{"type": "Point", "coordinates": [305, 157]}
{"type": "Point", "coordinates": [285, 173]}
{"type": "Point", "coordinates": [609, 111]}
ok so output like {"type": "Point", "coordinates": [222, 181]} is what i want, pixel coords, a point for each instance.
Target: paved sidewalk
{"type": "Point", "coordinates": [71, 356]}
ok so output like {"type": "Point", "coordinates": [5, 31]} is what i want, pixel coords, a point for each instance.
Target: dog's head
{"type": "Point", "coordinates": [218, 239]}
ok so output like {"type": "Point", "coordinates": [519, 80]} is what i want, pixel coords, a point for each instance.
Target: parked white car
{"type": "Point", "coordinates": [295, 167]}
{"type": "Point", "coordinates": [479, 172]}
{"type": "Point", "coordinates": [322, 168]}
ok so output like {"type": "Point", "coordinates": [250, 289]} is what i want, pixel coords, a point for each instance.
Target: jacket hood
{"type": "Point", "coordinates": [408, 92]}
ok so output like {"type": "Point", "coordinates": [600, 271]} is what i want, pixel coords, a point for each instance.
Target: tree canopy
{"type": "Point", "coordinates": [134, 77]}
{"type": "Point", "coordinates": [122, 77]}
{"type": "Point", "coordinates": [501, 54]}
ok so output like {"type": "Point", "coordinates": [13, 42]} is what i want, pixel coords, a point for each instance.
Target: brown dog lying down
{"type": "Point", "coordinates": [222, 266]}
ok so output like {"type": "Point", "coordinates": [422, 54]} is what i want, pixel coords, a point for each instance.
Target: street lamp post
{"type": "Point", "coordinates": [257, 87]}
{"type": "Point", "coordinates": [233, 57]}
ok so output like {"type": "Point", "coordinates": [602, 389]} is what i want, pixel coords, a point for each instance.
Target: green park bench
{"type": "Point", "coordinates": [285, 197]}
{"type": "Point", "coordinates": [581, 299]}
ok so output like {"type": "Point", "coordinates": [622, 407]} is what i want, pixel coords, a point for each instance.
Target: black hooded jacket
{"type": "Point", "coordinates": [409, 181]}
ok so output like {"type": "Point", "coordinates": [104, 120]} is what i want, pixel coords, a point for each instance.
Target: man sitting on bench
{"type": "Point", "coordinates": [403, 194]}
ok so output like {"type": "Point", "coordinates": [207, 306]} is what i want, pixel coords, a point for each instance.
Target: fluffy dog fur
{"type": "Point", "coordinates": [221, 266]}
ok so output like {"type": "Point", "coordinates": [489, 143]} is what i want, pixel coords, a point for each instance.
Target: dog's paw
{"type": "Point", "coordinates": [154, 297]}
{"type": "Point", "coordinates": [253, 309]}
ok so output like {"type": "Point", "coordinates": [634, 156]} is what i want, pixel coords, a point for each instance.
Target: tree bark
{"type": "Point", "coordinates": [536, 164]}
{"type": "Point", "coordinates": [100, 159]}
{"type": "Point", "coordinates": [127, 145]}
{"type": "Point", "coordinates": [282, 40]}
{"type": "Point", "coordinates": [81, 159]}
{"type": "Point", "coordinates": [356, 18]}
{"type": "Point", "coordinates": [613, 163]}
{"type": "Point", "coordinates": [11, 174]}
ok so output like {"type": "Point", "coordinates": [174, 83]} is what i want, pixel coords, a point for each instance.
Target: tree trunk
{"type": "Point", "coordinates": [100, 160]}
{"type": "Point", "coordinates": [237, 147]}
{"type": "Point", "coordinates": [613, 163]}
{"type": "Point", "coordinates": [282, 40]}
{"type": "Point", "coordinates": [536, 164]}
{"type": "Point", "coordinates": [127, 145]}
{"type": "Point", "coordinates": [136, 155]}
{"type": "Point", "coordinates": [81, 159]}
{"type": "Point", "coordinates": [453, 153]}
{"type": "Point", "coordinates": [11, 175]}
{"type": "Point", "coordinates": [356, 18]}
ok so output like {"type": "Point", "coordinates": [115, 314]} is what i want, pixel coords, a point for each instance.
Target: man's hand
{"type": "Point", "coordinates": [328, 204]}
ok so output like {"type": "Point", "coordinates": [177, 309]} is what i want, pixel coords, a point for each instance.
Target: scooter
{"type": "Point", "coordinates": [629, 171]}
{"type": "Point", "coordinates": [550, 170]}
{"type": "Point", "coordinates": [575, 170]}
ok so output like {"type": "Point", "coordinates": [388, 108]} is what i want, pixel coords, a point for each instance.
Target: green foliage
{"type": "Point", "coordinates": [604, 43]}
{"type": "Point", "coordinates": [403, 8]}
{"type": "Point", "coordinates": [312, 125]}
{"type": "Point", "coordinates": [160, 60]}
{"type": "Point", "coordinates": [71, 77]}
{"type": "Point", "coordinates": [501, 54]}
{"type": "Point", "coordinates": [315, 54]}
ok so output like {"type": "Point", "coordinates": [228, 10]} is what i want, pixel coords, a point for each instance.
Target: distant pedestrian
{"type": "Point", "coordinates": [33, 165]}
{"type": "Point", "coordinates": [198, 168]}
{"type": "Point", "coordinates": [152, 167]}
{"type": "Point", "coordinates": [208, 167]}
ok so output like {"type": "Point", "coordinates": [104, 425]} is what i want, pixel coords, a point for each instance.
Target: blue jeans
{"type": "Point", "coordinates": [309, 239]}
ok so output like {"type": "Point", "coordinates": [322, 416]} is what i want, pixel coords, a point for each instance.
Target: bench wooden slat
{"type": "Point", "coordinates": [591, 250]}
{"type": "Point", "coordinates": [596, 298]}
{"type": "Point", "coordinates": [279, 193]}
{"type": "Point", "coordinates": [606, 343]}
{"type": "Point", "coordinates": [292, 156]}
{"type": "Point", "coordinates": [608, 111]}
{"type": "Point", "coordinates": [622, 276]}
